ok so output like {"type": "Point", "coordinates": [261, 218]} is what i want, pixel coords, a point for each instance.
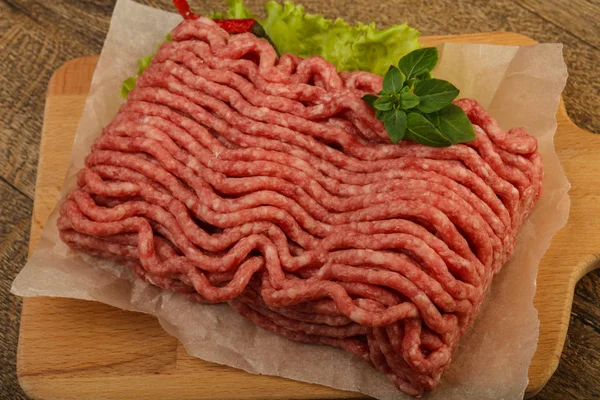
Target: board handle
{"type": "Point", "coordinates": [574, 250]}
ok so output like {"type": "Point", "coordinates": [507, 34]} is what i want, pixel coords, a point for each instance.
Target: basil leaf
{"type": "Point", "coordinates": [418, 62]}
{"type": "Point", "coordinates": [434, 118]}
{"type": "Point", "coordinates": [369, 99]}
{"type": "Point", "coordinates": [435, 94]}
{"type": "Point", "coordinates": [410, 83]}
{"type": "Point", "coordinates": [380, 114]}
{"type": "Point", "coordinates": [395, 125]}
{"type": "Point", "coordinates": [383, 103]}
{"type": "Point", "coordinates": [393, 80]}
{"type": "Point", "coordinates": [423, 76]}
{"type": "Point", "coordinates": [420, 130]}
{"type": "Point", "coordinates": [453, 123]}
{"type": "Point", "coordinates": [409, 100]}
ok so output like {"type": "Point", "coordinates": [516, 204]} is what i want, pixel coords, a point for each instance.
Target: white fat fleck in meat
{"type": "Point", "coordinates": [378, 258]}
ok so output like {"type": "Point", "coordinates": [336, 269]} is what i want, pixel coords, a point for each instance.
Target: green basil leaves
{"type": "Point", "coordinates": [393, 80]}
{"type": "Point", "coordinates": [434, 94]}
{"type": "Point", "coordinates": [418, 62]}
{"type": "Point", "coordinates": [395, 125]}
{"type": "Point", "coordinates": [417, 107]}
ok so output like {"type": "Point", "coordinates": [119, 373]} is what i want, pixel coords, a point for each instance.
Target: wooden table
{"type": "Point", "coordinates": [38, 36]}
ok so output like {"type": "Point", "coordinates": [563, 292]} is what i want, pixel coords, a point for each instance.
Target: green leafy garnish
{"type": "Point", "coordinates": [393, 80]}
{"type": "Point", "coordinates": [236, 10]}
{"type": "Point", "coordinates": [369, 99]}
{"type": "Point", "coordinates": [409, 100]}
{"type": "Point", "coordinates": [434, 94]}
{"type": "Point", "coordinates": [395, 122]}
{"type": "Point", "coordinates": [418, 63]}
{"type": "Point", "coordinates": [414, 106]}
{"type": "Point", "coordinates": [128, 86]}
{"type": "Point", "coordinates": [453, 120]}
{"type": "Point", "coordinates": [420, 130]}
{"type": "Point", "coordinates": [348, 47]}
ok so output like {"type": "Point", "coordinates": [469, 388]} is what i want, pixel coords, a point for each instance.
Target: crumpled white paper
{"type": "Point", "coordinates": [519, 86]}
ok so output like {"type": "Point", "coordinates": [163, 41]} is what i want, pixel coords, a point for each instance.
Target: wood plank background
{"type": "Point", "coordinates": [37, 36]}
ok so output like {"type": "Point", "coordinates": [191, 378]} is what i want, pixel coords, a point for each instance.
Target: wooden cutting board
{"type": "Point", "coordinates": [77, 349]}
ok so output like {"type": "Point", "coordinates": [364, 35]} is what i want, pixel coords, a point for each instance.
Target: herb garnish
{"type": "Point", "coordinates": [417, 107]}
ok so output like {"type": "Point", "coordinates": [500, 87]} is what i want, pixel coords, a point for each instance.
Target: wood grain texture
{"type": "Point", "coordinates": [37, 36]}
{"type": "Point", "coordinates": [70, 333]}
{"type": "Point", "coordinates": [577, 19]}
{"type": "Point", "coordinates": [14, 225]}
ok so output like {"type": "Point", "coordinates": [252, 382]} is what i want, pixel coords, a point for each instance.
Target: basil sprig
{"type": "Point", "coordinates": [414, 106]}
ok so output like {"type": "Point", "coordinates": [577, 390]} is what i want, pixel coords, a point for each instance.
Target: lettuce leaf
{"type": "Point", "coordinates": [293, 30]}
{"type": "Point", "coordinates": [349, 48]}
{"type": "Point", "coordinates": [236, 10]}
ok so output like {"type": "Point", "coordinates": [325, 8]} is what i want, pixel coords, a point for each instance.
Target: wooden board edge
{"type": "Point", "coordinates": [24, 379]}
{"type": "Point", "coordinates": [57, 81]}
{"type": "Point", "coordinates": [479, 38]}
{"type": "Point", "coordinates": [540, 379]}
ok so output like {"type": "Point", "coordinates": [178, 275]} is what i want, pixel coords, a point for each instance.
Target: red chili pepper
{"type": "Point", "coordinates": [232, 26]}
{"type": "Point", "coordinates": [236, 25]}
{"type": "Point", "coordinates": [184, 9]}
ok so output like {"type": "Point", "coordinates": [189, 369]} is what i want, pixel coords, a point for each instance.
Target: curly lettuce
{"type": "Point", "coordinates": [236, 10]}
{"type": "Point", "coordinates": [350, 48]}
{"type": "Point", "coordinates": [293, 30]}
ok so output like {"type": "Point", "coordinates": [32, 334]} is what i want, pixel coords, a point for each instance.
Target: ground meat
{"type": "Point", "coordinates": [232, 175]}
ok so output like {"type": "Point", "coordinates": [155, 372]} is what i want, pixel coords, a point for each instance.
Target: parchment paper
{"type": "Point", "coordinates": [519, 86]}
